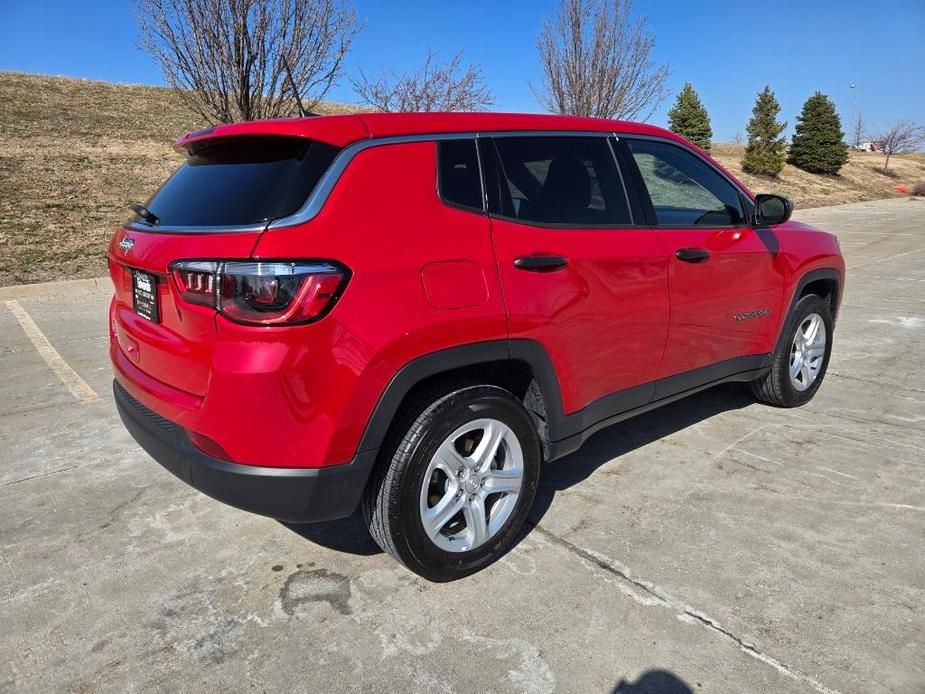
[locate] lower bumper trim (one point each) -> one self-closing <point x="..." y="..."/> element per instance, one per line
<point x="295" y="495"/>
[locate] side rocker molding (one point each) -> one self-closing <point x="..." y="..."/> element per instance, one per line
<point x="624" y="405"/>
<point x="564" y="433"/>
<point x="567" y="432"/>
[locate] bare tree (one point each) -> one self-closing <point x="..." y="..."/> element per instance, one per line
<point x="435" y="86"/>
<point x="737" y="138"/>
<point x="597" y="61"/>
<point x="226" y="58"/>
<point x="857" y="130"/>
<point x="900" y="138"/>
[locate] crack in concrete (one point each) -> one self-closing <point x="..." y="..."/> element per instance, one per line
<point x="588" y="556"/>
<point x="38" y="477"/>
<point x="685" y="612"/>
<point x="872" y="382"/>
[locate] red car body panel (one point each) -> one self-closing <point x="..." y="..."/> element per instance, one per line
<point x="426" y="276"/>
<point x="803" y="249"/>
<point x="742" y="275"/>
<point x="603" y="319"/>
<point x="407" y="231"/>
<point x="315" y="385"/>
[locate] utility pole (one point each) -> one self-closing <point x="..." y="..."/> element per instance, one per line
<point x="854" y="111"/>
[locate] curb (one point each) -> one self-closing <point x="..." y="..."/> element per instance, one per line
<point x="42" y="289"/>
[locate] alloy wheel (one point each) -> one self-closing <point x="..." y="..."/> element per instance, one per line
<point x="471" y="485"/>
<point x="807" y="352"/>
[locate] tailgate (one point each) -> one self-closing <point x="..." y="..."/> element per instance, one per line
<point x="214" y="207"/>
<point x="175" y="347"/>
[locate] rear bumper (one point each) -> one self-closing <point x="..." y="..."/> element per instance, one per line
<point x="296" y="495"/>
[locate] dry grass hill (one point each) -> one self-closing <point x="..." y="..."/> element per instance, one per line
<point x="74" y="154"/>
<point x="862" y="178"/>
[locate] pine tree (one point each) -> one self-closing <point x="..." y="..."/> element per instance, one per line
<point x="764" y="153"/>
<point x="818" y="145"/>
<point x="688" y="118"/>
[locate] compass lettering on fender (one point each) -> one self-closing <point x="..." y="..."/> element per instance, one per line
<point x="748" y="315"/>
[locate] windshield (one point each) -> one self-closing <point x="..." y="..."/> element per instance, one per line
<point x="240" y="181"/>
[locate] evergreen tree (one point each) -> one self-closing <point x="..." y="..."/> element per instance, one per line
<point x="764" y="153"/>
<point x="688" y="118"/>
<point x="818" y="145"/>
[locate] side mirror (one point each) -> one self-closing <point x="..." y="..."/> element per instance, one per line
<point x="772" y="209"/>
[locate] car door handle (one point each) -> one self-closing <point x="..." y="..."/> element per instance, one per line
<point x="540" y="263"/>
<point x="692" y="255"/>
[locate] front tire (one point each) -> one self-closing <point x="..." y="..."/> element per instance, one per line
<point x="801" y="360"/>
<point x="455" y="481"/>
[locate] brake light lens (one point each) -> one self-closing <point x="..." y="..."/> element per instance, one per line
<point x="121" y="276"/>
<point x="262" y="293"/>
<point x="196" y="281"/>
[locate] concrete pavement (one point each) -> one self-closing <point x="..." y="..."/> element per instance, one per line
<point x="715" y="545"/>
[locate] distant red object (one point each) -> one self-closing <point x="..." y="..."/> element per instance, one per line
<point x="901" y="189"/>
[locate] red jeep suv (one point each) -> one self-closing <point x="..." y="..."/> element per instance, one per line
<point x="410" y="312"/>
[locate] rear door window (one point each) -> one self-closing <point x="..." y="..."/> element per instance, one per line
<point x="685" y="190"/>
<point x="241" y="181"/>
<point x="568" y="181"/>
<point x="459" y="180"/>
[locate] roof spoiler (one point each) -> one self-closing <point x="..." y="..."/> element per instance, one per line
<point x="191" y="137"/>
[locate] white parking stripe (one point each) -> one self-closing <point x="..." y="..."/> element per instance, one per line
<point x="78" y="387"/>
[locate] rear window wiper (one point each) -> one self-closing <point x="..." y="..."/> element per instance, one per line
<point x="146" y="214"/>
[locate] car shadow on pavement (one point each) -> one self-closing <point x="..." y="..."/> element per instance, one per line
<point x="627" y="436"/>
<point x="351" y="535"/>
<point x="348" y="535"/>
<point x="654" y="682"/>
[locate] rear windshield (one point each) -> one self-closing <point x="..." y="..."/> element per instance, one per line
<point x="241" y="181"/>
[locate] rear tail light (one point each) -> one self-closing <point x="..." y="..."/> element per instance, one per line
<point x="270" y="293"/>
<point x="121" y="276"/>
<point x="196" y="281"/>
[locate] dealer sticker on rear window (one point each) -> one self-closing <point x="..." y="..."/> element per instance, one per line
<point x="145" y="295"/>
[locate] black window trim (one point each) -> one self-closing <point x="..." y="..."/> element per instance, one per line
<point x="318" y="197"/>
<point x="262" y="225"/>
<point x="498" y="166"/>
<point x="640" y="206"/>
<point x="478" y="158"/>
<point x="488" y="163"/>
<point x="748" y="207"/>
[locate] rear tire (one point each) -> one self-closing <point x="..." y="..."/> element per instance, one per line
<point x="801" y="360"/>
<point x="455" y="480"/>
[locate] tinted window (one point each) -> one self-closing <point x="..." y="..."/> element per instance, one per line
<point x="685" y="190"/>
<point x="561" y="180"/>
<point x="241" y="181"/>
<point x="458" y="167"/>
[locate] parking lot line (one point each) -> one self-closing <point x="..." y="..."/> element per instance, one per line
<point x="78" y="387"/>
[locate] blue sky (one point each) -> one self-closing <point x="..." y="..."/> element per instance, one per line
<point x="727" y="52"/>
